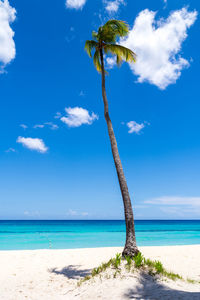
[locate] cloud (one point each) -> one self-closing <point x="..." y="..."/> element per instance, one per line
<point x="172" y="207"/>
<point x="33" y="144"/>
<point x="175" y="200"/>
<point x="135" y="127"/>
<point x="113" y="6"/>
<point x="78" y="116"/>
<point x="73" y="213"/>
<point x="158" y="45"/>
<point x="23" y="126"/>
<point x="31" y="213"/>
<point x="51" y="125"/>
<point x="57" y="115"/>
<point x="7" y="44"/>
<point x="10" y="150"/>
<point x="110" y="62"/>
<point x="76" y="4"/>
<point x="38" y="126"/>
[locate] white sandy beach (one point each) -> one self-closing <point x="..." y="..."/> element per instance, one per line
<point x="53" y="274"/>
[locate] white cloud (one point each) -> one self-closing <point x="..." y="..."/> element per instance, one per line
<point x="110" y="62"/>
<point x="113" y="6"/>
<point x="38" y="126"/>
<point x="7" y="44"/>
<point x="11" y="150"/>
<point x="158" y="45"/>
<point x="175" y="200"/>
<point x="58" y="115"/>
<point x="23" y="126"/>
<point x="78" y="116"/>
<point x="134" y="127"/>
<point x="31" y="213"/>
<point x="84" y="213"/>
<point x="77" y="4"/>
<point x="73" y="213"/>
<point x="33" y="144"/>
<point x="51" y="125"/>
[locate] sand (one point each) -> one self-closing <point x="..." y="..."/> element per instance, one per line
<point x="53" y="274"/>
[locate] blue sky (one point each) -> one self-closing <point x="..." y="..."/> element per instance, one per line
<point x="55" y="155"/>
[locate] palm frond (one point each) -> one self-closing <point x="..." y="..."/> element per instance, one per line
<point x="95" y="35"/>
<point x="89" y="46"/>
<point x="96" y="60"/>
<point x="118" y="26"/>
<point x="105" y="39"/>
<point x="121" y="52"/>
<point x="113" y="29"/>
<point x="119" y="60"/>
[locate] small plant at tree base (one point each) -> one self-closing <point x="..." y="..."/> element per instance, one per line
<point x="172" y="275"/>
<point x="96" y="271"/>
<point x="115" y="274"/>
<point x="159" y="267"/>
<point x="129" y="262"/>
<point x="191" y="280"/>
<point x="138" y="259"/>
<point x="83" y="280"/>
<point x="148" y="262"/>
<point x="117" y="260"/>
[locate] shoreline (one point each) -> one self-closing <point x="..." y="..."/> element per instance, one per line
<point x="103" y="247"/>
<point x="52" y="273"/>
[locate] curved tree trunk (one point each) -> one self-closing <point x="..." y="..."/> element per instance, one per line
<point x="130" y="248"/>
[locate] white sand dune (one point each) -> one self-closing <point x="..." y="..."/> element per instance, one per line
<point x="53" y="274"/>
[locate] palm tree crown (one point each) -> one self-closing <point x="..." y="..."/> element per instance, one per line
<point x="105" y="40"/>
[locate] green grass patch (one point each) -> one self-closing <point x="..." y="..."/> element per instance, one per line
<point x="139" y="260"/>
<point x="117" y="261"/>
<point x="154" y="267"/>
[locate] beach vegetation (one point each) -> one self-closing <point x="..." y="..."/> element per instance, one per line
<point x="148" y="262"/>
<point x="158" y="267"/>
<point x="116" y="273"/>
<point x="171" y="275"/>
<point x="152" y="267"/>
<point x="104" y="43"/>
<point x="191" y="280"/>
<point x="129" y="261"/>
<point x="117" y="260"/>
<point x="138" y="260"/>
<point x="86" y="278"/>
<point x="96" y="271"/>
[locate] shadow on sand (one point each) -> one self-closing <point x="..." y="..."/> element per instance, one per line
<point x="151" y="289"/>
<point x="71" y="272"/>
<point x="148" y="288"/>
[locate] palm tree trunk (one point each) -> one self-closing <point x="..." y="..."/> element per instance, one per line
<point x="130" y="248"/>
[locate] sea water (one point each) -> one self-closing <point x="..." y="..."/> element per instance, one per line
<point x="18" y="235"/>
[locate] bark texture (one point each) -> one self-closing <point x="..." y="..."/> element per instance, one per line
<point x="130" y="248"/>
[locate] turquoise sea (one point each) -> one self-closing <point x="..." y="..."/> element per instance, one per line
<point x="15" y="235"/>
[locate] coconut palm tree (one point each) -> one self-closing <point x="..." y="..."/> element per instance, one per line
<point x="104" y="42"/>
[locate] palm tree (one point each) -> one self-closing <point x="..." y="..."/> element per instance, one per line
<point x="104" y="42"/>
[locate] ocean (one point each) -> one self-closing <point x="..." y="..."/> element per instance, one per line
<point x="20" y="235"/>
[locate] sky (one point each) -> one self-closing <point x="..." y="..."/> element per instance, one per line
<point x="55" y="156"/>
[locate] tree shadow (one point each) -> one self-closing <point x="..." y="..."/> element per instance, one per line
<point x="71" y="272"/>
<point x="149" y="288"/>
